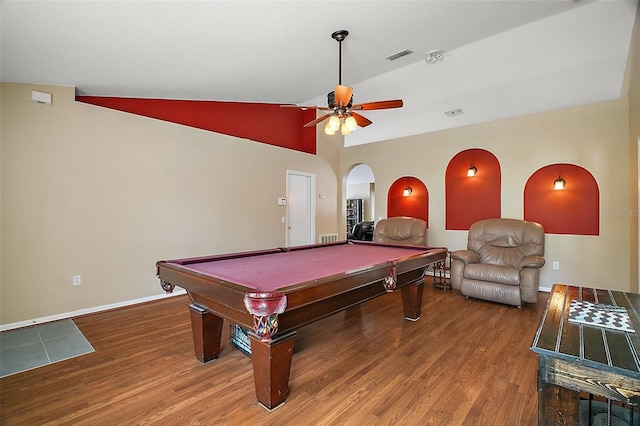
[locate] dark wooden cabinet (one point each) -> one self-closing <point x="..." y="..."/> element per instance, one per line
<point x="355" y="213"/>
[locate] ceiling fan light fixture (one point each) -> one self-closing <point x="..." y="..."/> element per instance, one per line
<point x="328" y="130"/>
<point x="345" y="129"/>
<point x="350" y="123"/>
<point x="334" y="123"/>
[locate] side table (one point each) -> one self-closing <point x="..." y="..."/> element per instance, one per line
<point x="442" y="273"/>
<point x="575" y="358"/>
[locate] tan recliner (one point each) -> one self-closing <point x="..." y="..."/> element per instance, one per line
<point x="401" y="230"/>
<point x="502" y="261"/>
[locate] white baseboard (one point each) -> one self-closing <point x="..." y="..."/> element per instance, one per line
<point x="42" y="320"/>
<point x="544" y="289"/>
<point x="177" y="292"/>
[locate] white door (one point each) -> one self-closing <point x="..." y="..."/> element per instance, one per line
<point x="301" y="227"/>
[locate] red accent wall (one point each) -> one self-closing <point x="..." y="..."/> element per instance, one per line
<point x="415" y="205"/>
<point x="260" y="122"/>
<point x="574" y="210"/>
<point x="472" y="198"/>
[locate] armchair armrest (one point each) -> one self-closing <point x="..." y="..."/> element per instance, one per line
<point x="466" y="256"/>
<point x="534" y="261"/>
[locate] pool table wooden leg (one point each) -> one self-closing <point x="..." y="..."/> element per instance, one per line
<point x="412" y="299"/>
<point x="207" y="332"/>
<point x="271" y="368"/>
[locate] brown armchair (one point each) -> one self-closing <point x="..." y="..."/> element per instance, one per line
<point x="502" y="261"/>
<point x="401" y="230"/>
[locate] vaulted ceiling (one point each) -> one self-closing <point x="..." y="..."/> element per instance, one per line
<point x="500" y="58"/>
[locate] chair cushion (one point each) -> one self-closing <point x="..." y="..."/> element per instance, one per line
<point x="494" y="273"/>
<point x="401" y="230"/>
<point x="502" y="241"/>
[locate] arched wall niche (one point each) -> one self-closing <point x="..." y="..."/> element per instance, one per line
<point x="573" y="210"/>
<point x="472" y="198"/>
<point x="415" y="204"/>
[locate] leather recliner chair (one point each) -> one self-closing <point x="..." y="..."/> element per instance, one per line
<point x="401" y="230"/>
<point x="502" y="261"/>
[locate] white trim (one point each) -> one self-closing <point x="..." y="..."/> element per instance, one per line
<point x="447" y="275"/>
<point x="42" y="320"/>
<point x="96" y="309"/>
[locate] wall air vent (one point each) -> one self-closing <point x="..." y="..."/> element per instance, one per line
<point x="40" y="97"/>
<point x="399" y="54"/>
<point x="328" y="238"/>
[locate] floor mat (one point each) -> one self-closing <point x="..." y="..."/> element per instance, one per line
<point x="39" y="345"/>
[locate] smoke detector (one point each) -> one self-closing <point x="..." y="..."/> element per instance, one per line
<point x="433" y="56"/>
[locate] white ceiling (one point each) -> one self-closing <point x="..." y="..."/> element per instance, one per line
<point x="501" y="58"/>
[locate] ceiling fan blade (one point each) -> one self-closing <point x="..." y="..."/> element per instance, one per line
<point x="304" y="107"/>
<point x="396" y="103"/>
<point x="361" y="120"/>
<point x="343" y="94"/>
<point x="318" y="120"/>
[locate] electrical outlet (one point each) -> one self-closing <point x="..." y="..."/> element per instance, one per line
<point x="77" y="280"/>
<point x="556" y="265"/>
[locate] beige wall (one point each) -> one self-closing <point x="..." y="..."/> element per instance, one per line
<point x="594" y="136"/>
<point x="105" y="194"/>
<point x="633" y="77"/>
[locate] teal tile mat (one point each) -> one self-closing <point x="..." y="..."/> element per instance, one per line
<point x="39" y="345"/>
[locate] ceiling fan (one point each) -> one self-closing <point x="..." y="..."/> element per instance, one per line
<point x="342" y="113"/>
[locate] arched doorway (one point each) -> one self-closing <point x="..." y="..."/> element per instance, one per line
<point x="360" y="190"/>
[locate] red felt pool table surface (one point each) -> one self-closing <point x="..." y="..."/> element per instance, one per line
<point x="282" y="269"/>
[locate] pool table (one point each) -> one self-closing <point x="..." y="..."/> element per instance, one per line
<point x="274" y="292"/>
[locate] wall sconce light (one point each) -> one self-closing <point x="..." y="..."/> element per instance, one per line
<point x="558" y="184"/>
<point x="472" y="170"/>
<point x="407" y="191"/>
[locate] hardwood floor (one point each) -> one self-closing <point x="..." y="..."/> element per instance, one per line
<point x="464" y="362"/>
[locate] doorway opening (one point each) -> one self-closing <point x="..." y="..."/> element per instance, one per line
<point x="360" y="197"/>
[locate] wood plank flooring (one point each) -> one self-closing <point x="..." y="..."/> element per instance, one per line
<point x="464" y="362"/>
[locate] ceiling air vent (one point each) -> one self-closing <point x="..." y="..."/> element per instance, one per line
<point x="399" y="54"/>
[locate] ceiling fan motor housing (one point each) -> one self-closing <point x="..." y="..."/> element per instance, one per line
<point x="331" y="100"/>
